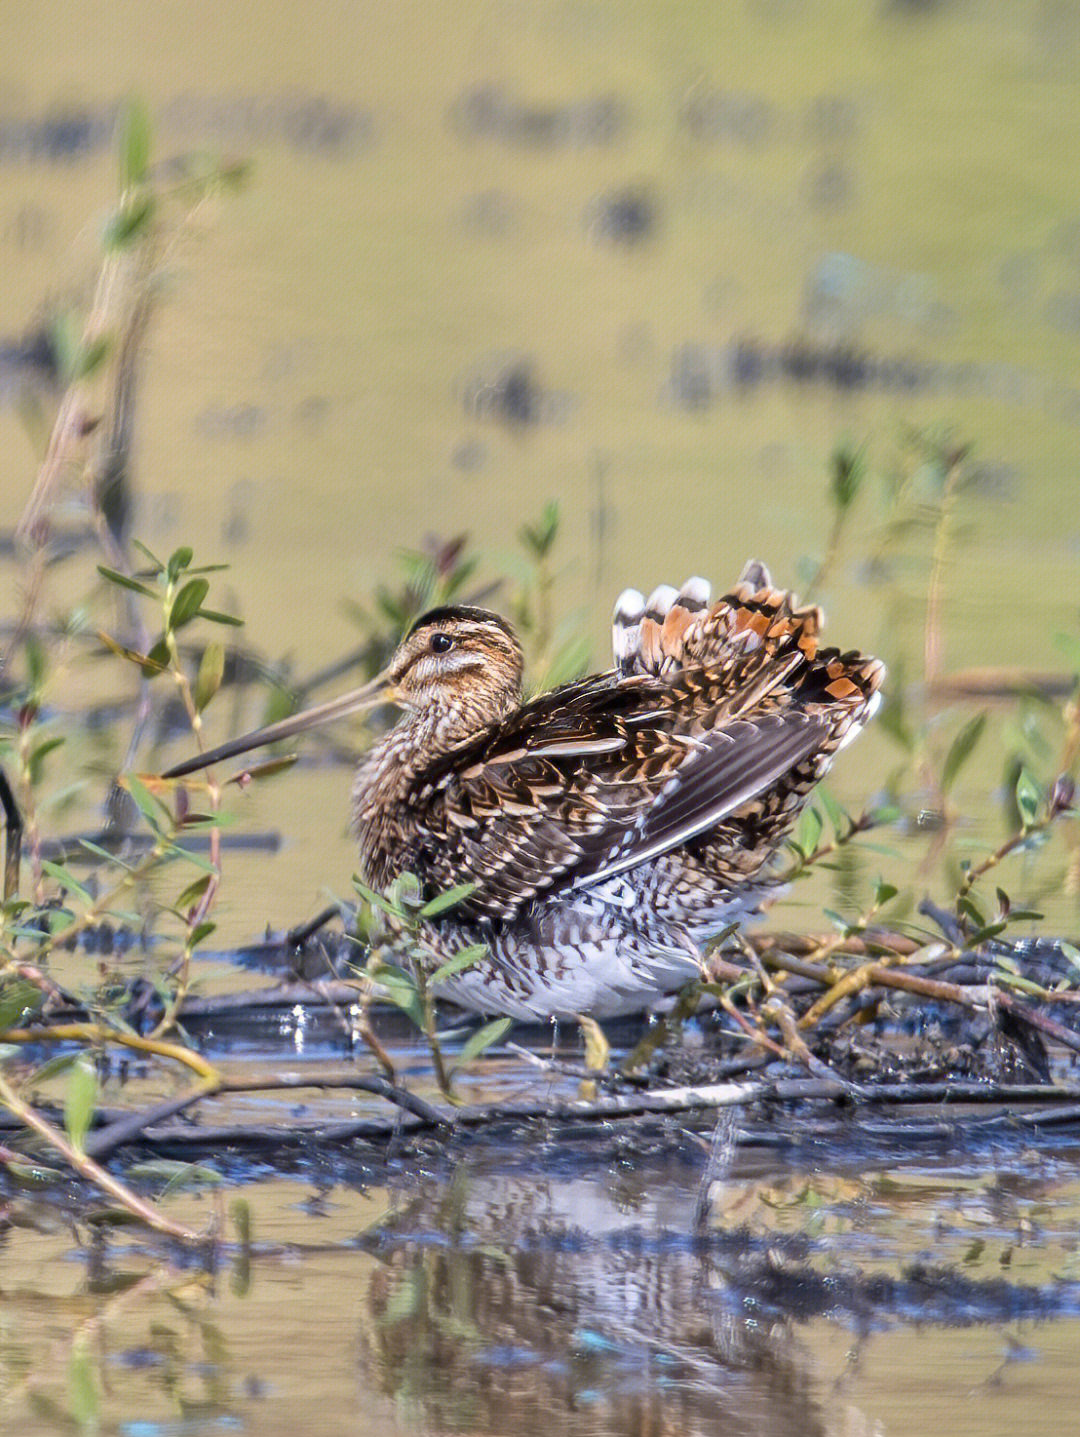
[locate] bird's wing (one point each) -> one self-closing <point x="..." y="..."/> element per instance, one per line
<point x="590" y="781"/>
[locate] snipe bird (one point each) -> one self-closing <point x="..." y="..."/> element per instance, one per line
<point x="611" y="826"/>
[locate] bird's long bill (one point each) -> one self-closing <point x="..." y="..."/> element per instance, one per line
<point x="377" y="691"/>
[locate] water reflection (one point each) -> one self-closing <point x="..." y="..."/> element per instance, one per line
<point x="531" y="1287"/>
<point x="592" y="1307"/>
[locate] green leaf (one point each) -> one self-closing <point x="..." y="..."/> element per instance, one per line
<point x="404" y="893"/>
<point x="838" y="921"/>
<point x="179" y="560"/>
<point x="845" y="480"/>
<point x="189" y="855"/>
<point x="447" y="900"/>
<point x="62" y="1063"/>
<point x="193" y="892"/>
<point x="186" y="604"/>
<point x="146" y="803"/>
<point x="135" y="140"/>
<point x="201" y="931"/>
<point x="211" y="672"/>
<point x="104" y="854"/>
<point x="174" y="1174"/>
<point x="157" y="660"/>
<point x="374" y="899"/>
<point x="81" y="1097"/>
<point x="960" y="750"/>
<point x="215" y="617"/>
<point x="64" y="878"/>
<point x="159" y="567"/>
<point x="401" y="990"/>
<point x="884" y="892"/>
<point x="991" y="930"/>
<point x="90" y="356"/>
<point x="1070" y="953"/>
<point x="809" y="831"/>
<point x="481" y="1040"/>
<point x="123" y="581"/>
<point x="127" y="220"/>
<point x="968" y="906"/>
<point x="839" y="818"/>
<point x="1028" y="798"/>
<point x="38" y="756"/>
<point x="467" y="958"/>
<point x="36" y="661"/>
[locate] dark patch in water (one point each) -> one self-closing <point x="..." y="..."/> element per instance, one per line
<point x="491" y="113"/>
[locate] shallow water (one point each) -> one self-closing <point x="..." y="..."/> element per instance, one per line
<point x="654" y="265"/>
<point x="611" y="1296"/>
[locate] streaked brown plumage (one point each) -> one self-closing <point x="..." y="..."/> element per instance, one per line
<point x="610" y="825"/>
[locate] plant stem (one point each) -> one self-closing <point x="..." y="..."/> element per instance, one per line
<point x="86" y="1167"/>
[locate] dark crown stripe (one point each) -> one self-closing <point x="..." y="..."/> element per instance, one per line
<point x="459" y="613"/>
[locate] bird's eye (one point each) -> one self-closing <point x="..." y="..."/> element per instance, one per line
<point x="441" y="643"/>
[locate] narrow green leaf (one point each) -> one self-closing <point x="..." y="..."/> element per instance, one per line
<point x="146" y="803"/>
<point x="1021" y="985"/>
<point x="839" y="922"/>
<point x="91" y="355"/>
<point x="104" y="854"/>
<point x="1028" y="798"/>
<point x="374" y="899"/>
<point x="193" y="892"/>
<point x="38" y="756"/>
<point x="188" y="855"/>
<point x="159" y="567"/>
<point x="81" y="1097"/>
<point x="960" y="750"/>
<point x="173" y="1173"/>
<point x="447" y="900"/>
<point x="481" y="1040"/>
<point x="124" y="582"/>
<point x="215" y="617"/>
<point x="201" y="931"/>
<point x="467" y="958"/>
<point x="838" y="816"/>
<point x="991" y="930"/>
<point x="186" y="604"/>
<point x="884" y="892"/>
<point x="65" y="879"/>
<point x="36" y="661"/>
<point x="211" y="672"/>
<point x="127" y="221"/>
<point x="1070" y="953"/>
<point x="809" y="831"/>
<point x="401" y="990"/>
<point x="971" y="909"/>
<point x="135" y="138"/>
